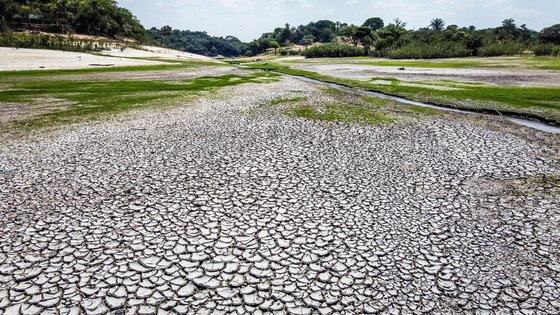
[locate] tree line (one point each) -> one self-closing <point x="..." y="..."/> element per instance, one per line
<point x="394" y="40"/>
<point x="197" y="42"/>
<point x="91" y="17"/>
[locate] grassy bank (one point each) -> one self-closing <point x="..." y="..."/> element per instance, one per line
<point x="543" y="102"/>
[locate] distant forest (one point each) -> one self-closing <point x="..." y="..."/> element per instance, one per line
<point x="198" y="42"/>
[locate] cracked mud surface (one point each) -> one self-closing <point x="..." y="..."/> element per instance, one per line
<point x="214" y="208"/>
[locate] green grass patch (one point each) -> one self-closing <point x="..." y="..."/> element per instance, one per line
<point x="287" y="100"/>
<point x="390" y="79"/>
<point x="376" y="101"/>
<point x="169" y="65"/>
<point x="544" y="63"/>
<point x="424" y="110"/>
<point x="91" y="100"/>
<point x="541" y="101"/>
<point x="332" y="91"/>
<point x="338" y="112"/>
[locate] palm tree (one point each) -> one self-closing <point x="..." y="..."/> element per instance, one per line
<point x="437" y="24"/>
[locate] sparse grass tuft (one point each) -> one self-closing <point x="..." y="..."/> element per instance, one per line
<point x="287" y="100"/>
<point x="424" y="110"/>
<point x="334" y="112"/>
<point x="376" y="101"/>
<point x="332" y="91"/>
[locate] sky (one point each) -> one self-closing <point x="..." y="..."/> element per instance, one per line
<point x="248" y="19"/>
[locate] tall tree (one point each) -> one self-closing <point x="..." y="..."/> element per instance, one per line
<point x="363" y="32"/>
<point x="399" y="23"/>
<point x="508" y="30"/>
<point x="550" y="35"/>
<point x="308" y="39"/>
<point x="165" y="31"/>
<point x="437" y="24"/>
<point x="275" y="45"/>
<point x="350" y="33"/>
<point x="374" y="23"/>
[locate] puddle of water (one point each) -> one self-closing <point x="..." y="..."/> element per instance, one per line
<point x="531" y="123"/>
<point x="535" y="124"/>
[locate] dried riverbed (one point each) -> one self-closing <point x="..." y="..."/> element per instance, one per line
<point x="227" y="204"/>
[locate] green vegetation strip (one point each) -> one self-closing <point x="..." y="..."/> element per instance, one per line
<point x="169" y="65"/>
<point x="89" y="100"/>
<point x="334" y="112"/>
<point x="543" y="102"/>
<point x="287" y="100"/>
<point x="345" y="108"/>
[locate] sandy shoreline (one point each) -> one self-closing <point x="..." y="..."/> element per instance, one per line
<point x="37" y="59"/>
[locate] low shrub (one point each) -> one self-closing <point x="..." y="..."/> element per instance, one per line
<point x="418" y="50"/>
<point x="47" y="41"/>
<point x="501" y="49"/>
<point x="547" y="50"/>
<point x="289" y="52"/>
<point x="333" y="50"/>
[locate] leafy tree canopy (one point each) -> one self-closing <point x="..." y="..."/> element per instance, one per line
<point x="374" y="23"/>
<point x="550" y="35"/>
<point x="92" y="17"/>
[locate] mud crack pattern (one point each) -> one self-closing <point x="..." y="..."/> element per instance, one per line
<point x="208" y="209"/>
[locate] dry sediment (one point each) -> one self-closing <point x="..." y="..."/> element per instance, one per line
<point x="214" y="208"/>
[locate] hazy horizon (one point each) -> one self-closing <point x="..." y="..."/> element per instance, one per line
<point x="248" y="19"/>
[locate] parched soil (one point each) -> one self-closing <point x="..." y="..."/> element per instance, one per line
<point x="227" y="204"/>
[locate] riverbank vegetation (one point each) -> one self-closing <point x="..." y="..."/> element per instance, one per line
<point x="394" y="40"/>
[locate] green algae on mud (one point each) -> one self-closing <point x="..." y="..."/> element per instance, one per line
<point x="345" y="107"/>
<point x="338" y="112"/>
<point x="91" y="100"/>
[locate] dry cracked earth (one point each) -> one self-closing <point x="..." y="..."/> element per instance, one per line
<point x="219" y="208"/>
